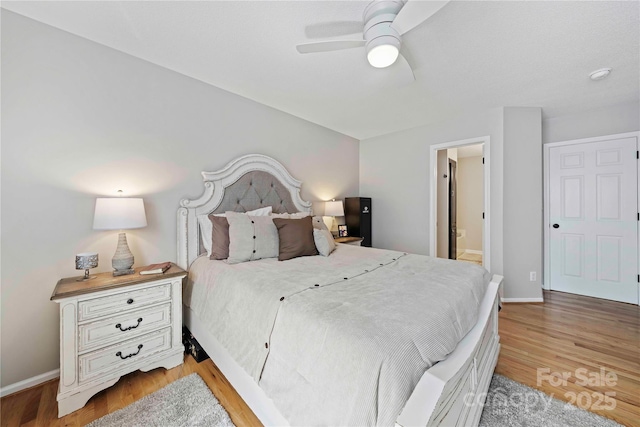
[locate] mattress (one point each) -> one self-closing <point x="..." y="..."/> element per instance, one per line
<point x="338" y="340"/>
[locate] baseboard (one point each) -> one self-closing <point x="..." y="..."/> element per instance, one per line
<point x="508" y="300"/>
<point x="29" y="382"/>
<point x="473" y="251"/>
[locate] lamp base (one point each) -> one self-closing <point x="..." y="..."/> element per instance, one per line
<point x="328" y="222"/>
<point x="123" y="272"/>
<point x="122" y="261"/>
<point x="85" y="277"/>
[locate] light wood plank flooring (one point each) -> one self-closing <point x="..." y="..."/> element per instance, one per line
<point x="570" y="332"/>
<point x="566" y="333"/>
<point x="37" y="406"/>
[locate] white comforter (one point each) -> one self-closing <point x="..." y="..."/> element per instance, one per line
<point x="341" y="340"/>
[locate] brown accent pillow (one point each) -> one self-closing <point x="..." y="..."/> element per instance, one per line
<point x="296" y="238"/>
<point x="219" y="237"/>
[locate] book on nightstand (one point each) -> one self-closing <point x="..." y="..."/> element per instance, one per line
<point x="156" y="268"/>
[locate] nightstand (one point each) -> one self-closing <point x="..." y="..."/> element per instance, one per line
<point x="355" y="241"/>
<point x="111" y="326"/>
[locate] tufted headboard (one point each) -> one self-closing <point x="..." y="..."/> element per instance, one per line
<point x="256" y="189"/>
<point x="247" y="183"/>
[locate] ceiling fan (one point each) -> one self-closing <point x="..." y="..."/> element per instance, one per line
<point x="385" y="21"/>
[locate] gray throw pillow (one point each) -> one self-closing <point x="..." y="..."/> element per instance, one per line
<point x="295" y="238"/>
<point x="251" y="238"/>
<point x="206" y="225"/>
<point x="219" y="237"/>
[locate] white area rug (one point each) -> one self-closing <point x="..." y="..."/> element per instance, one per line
<point x="189" y="402"/>
<point x="511" y="404"/>
<point x="185" y="402"/>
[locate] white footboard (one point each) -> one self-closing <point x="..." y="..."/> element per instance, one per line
<point x="450" y="393"/>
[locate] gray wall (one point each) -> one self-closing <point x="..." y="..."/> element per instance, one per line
<point x="590" y="123"/>
<point x="80" y="120"/>
<point x="394" y="171"/>
<point x="523" y="201"/>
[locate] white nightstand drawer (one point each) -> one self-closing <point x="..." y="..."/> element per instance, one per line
<point x="111" y="304"/>
<point x="120" y="356"/>
<point x="123" y="326"/>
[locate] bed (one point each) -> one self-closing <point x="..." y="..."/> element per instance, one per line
<point x="289" y="336"/>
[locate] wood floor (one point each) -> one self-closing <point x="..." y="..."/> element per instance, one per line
<point x="566" y="333"/>
<point x="37" y="406"/>
<point x="577" y="336"/>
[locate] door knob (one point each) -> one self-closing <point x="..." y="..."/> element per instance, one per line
<point x="556" y="225"/>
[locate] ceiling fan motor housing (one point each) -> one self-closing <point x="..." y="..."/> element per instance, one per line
<point x="378" y="32"/>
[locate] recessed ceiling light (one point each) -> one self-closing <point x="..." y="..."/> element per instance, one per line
<point x="600" y="74"/>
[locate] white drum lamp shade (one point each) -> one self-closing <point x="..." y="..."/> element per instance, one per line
<point x="332" y="209"/>
<point x="120" y="213"/>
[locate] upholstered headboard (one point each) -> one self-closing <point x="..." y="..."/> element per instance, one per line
<point x="247" y="183"/>
<point x="256" y="189"/>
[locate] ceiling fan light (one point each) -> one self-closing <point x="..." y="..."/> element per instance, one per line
<point x="383" y="51"/>
<point x="383" y="55"/>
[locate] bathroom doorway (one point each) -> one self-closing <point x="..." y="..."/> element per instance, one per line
<point x="459" y="223"/>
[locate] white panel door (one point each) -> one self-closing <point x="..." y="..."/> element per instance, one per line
<point x="593" y="190"/>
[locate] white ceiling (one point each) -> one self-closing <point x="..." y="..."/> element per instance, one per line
<point x="469" y="151"/>
<point x="470" y="55"/>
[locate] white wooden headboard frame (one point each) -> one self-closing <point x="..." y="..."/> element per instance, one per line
<point x="215" y="186"/>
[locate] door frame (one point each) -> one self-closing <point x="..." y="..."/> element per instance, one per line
<point x="486" y="170"/>
<point x="453" y="165"/>
<point x="546" y="261"/>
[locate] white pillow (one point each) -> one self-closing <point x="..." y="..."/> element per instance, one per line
<point x="318" y="223"/>
<point x="296" y="215"/>
<point x="324" y="241"/>
<point x="300" y="215"/>
<point x="251" y="238"/>
<point x="206" y="228"/>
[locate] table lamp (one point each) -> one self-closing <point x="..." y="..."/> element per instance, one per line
<point x="85" y="261"/>
<point x="332" y="209"/>
<point x="120" y="213"/>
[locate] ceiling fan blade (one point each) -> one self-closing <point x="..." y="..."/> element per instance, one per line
<point x="414" y="13"/>
<point x="329" y="45"/>
<point x="394" y="76"/>
<point x="404" y="71"/>
<point x="333" y="29"/>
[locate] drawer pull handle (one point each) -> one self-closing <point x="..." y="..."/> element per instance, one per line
<point x="131" y="355"/>
<point x="130" y="301"/>
<point x="119" y="326"/>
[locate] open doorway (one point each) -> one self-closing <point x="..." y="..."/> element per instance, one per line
<point x="460" y="200"/>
